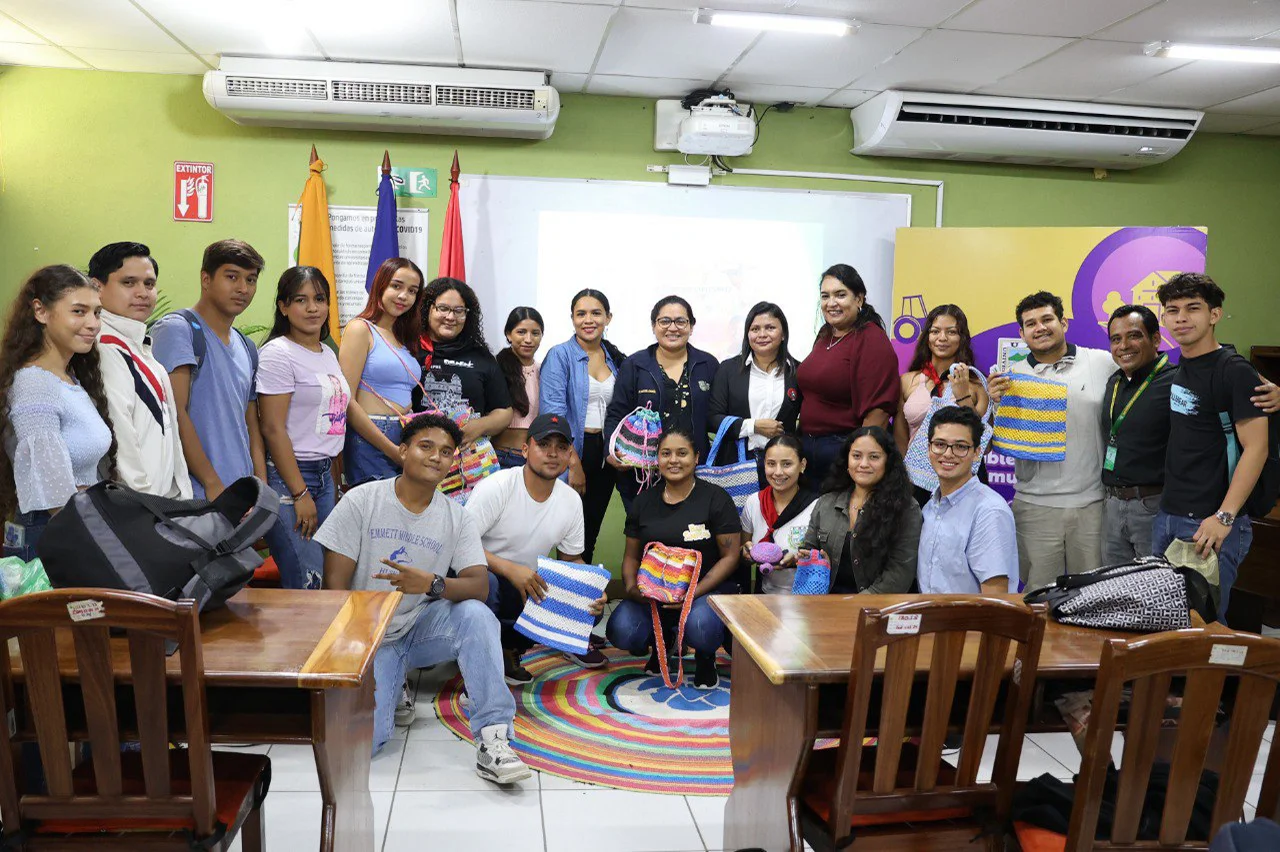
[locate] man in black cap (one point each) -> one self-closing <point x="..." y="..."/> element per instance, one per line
<point x="521" y="514"/>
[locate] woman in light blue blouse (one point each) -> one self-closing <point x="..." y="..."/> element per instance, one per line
<point x="57" y="433"/>
<point x="576" y="382"/>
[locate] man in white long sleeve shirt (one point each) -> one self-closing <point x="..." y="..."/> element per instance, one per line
<point x="144" y="416"/>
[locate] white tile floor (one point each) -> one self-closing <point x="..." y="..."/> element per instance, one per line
<point x="426" y="795"/>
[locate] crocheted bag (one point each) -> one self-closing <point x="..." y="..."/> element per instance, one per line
<point x="635" y="442"/>
<point x="563" y="619"/>
<point x="740" y="479"/>
<point x="1031" y="420"/>
<point x="813" y="574"/>
<point x="669" y="575"/>
<point x="916" y="459"/>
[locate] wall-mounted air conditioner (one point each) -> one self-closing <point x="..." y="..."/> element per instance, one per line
<point x="939" y="126"/>
<point x="395" y="98"/>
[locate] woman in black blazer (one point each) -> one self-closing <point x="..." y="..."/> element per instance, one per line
<point x="758" y="386"/>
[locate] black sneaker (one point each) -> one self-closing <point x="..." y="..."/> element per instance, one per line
<point x="514" y="673"/>
<point x="704" y="673"/>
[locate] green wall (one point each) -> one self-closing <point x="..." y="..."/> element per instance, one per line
<point x="85" y="159"/>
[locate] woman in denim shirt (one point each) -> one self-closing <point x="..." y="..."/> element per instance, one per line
<point x="577" y="382"/>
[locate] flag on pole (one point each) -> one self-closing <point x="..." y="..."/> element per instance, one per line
<point x="315" y="243"/>
<point x="452" y="264"/>
<point x="386" y="240"/>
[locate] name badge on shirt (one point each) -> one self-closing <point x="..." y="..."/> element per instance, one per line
<point x="1109" y="461"/>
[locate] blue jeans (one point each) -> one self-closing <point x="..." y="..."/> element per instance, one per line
<point x="631" y="626"/>
<point x="1165" y="528"/>
<point x="509" y="458"/>
<point x="363" y="462"/>
<point x="820" y="453"/>
<point x="465" y="631"/>
<point x="22" y="533"/>
<point x="300" y="560"/>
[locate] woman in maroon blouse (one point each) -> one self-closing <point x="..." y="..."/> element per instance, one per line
<point x="850" y="379"/>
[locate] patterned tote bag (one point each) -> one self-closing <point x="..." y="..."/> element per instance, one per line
<point x="916" y="459"/>
<point x="669" y="575"/>
<point x="813" y="574"/>
<point x="563" y="619"/>
<point x="1031" y="421"/>
<point x="741" y="478"/>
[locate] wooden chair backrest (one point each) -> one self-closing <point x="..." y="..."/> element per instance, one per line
<point x="148" y="622"/>
<point x="1207" y="657"/>
<point x="943" y="622"/>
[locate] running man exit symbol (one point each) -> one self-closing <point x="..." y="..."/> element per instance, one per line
<point x="192" y="192"/>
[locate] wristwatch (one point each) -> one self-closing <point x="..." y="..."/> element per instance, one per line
<point x="1225" y="518"/>
<point x="437" y="587"/>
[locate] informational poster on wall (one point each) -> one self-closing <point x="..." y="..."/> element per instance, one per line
<point x="352" y="231"/>
<point x="987" y="271"/>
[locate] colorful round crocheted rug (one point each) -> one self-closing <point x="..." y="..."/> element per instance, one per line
<point x="615" y="726"/>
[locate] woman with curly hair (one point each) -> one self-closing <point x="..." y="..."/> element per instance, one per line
<point x="458" y="370"/>
<point x="57" y="432"/>
<point x="866" y="521"/>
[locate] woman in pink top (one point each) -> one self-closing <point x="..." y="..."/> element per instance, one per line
<point x="524" y="336"/>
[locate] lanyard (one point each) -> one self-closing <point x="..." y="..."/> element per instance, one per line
<point x="1116" y="421"/>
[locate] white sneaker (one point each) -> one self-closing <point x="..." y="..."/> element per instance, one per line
<point x="495" y="760"/>
<point x="406" y="710"/>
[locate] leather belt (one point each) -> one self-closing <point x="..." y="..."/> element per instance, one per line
<point x="1133" y="492"/>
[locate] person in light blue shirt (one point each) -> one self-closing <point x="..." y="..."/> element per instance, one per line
<point x="967" y="543"/>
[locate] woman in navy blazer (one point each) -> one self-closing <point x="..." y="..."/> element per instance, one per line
<point x="672" y="377"/>
<point x="758" y="386"/>
<point x="577" y="382"/>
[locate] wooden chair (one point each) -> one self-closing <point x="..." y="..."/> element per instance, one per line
<point x="152" y="797"/>
<point x="892" y="795"/>
<point x="1210" y="658"/>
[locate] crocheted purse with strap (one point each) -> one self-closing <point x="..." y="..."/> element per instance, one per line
<point x="635" y="442"/>
<point x="669" y="575"/>
<point x="813" y="574"/>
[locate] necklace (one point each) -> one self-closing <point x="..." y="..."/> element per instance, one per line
<point x="837" y="340"/>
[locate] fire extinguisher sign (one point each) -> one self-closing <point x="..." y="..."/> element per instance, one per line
<point x="192" y="192"/>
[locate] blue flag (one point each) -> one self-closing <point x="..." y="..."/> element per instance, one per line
<point x="386" y="243"/>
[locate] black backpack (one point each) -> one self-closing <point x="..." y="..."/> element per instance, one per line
<point x="112" y="537"/>
<point x="1262" y="499"/>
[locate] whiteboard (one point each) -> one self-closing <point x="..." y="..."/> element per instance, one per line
<point x="538" y="241"/>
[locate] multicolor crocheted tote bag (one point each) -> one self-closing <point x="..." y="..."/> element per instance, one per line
<point x="669" y="575"/>
<point x="813" y="574"/>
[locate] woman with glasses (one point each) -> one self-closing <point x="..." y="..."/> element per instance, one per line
<point x="670" y="376"/>
<point x="458" y="369"/>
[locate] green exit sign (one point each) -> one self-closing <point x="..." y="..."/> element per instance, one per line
<point x="412" y="183"/>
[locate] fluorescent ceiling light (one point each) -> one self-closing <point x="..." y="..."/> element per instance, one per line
<point x="775" y="22"/>
<point x="1213" y="52"/>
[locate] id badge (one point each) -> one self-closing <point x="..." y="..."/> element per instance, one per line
<point x="1109" y="462"/>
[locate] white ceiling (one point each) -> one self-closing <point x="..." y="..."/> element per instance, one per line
<point x="1072" y="49"/>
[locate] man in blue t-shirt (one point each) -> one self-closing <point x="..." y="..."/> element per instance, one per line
<point x="213" y="377"/>
<point x="1217" y="434"/>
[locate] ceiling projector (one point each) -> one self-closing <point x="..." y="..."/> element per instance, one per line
<point x="718" y="126"/>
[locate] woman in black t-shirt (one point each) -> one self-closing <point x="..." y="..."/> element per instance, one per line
<point x="458" y="369"/>
<point x="688" y="513"/>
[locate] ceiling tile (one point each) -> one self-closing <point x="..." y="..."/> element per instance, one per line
<point x="568" y="82"/>
<point x="1199" y="20"/>
<point x="423" y="30"/>
<point x="1199" y="84"/>
<point x="1269" y="130"/>
<point x="1216" y="122"/>
<point x="1083" y="70"/>
<point x="12" y="31"/>
<point x="641" y="87"/>
<point x="849" y="98"/>
<point x="647" y="42"/>
<point x="134" y="60"/>
<point x="44" y="55"/>
<point x="914" y="13"/>
<point x="1075" y="18"/>
<point x="525" y="34"/>
<point x="1261" y="103"/>
<point x="74" y="23"/>
<point x="821" y="62"/>
<point x="257" y="27"/>
<point x="763" y="95"/>
<point x="954" y="61"/>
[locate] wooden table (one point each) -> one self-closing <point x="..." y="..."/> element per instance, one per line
<point x="785" y="648"/>
<point x="286" y="666"/>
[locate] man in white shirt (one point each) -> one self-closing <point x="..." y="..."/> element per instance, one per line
<point x="1058" y="505"/>
<point x="140" y="400"/>
<point x="521" y="513"/>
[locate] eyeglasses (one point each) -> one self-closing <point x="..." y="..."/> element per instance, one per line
<point x="940" y="448"/>
<point x="445" y="310"/>
<point x="667" y="322"/>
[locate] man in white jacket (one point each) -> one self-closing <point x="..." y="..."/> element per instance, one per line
<point x="140" y="400"/>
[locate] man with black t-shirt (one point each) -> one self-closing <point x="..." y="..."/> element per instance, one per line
<point x="1213" y="423"/>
